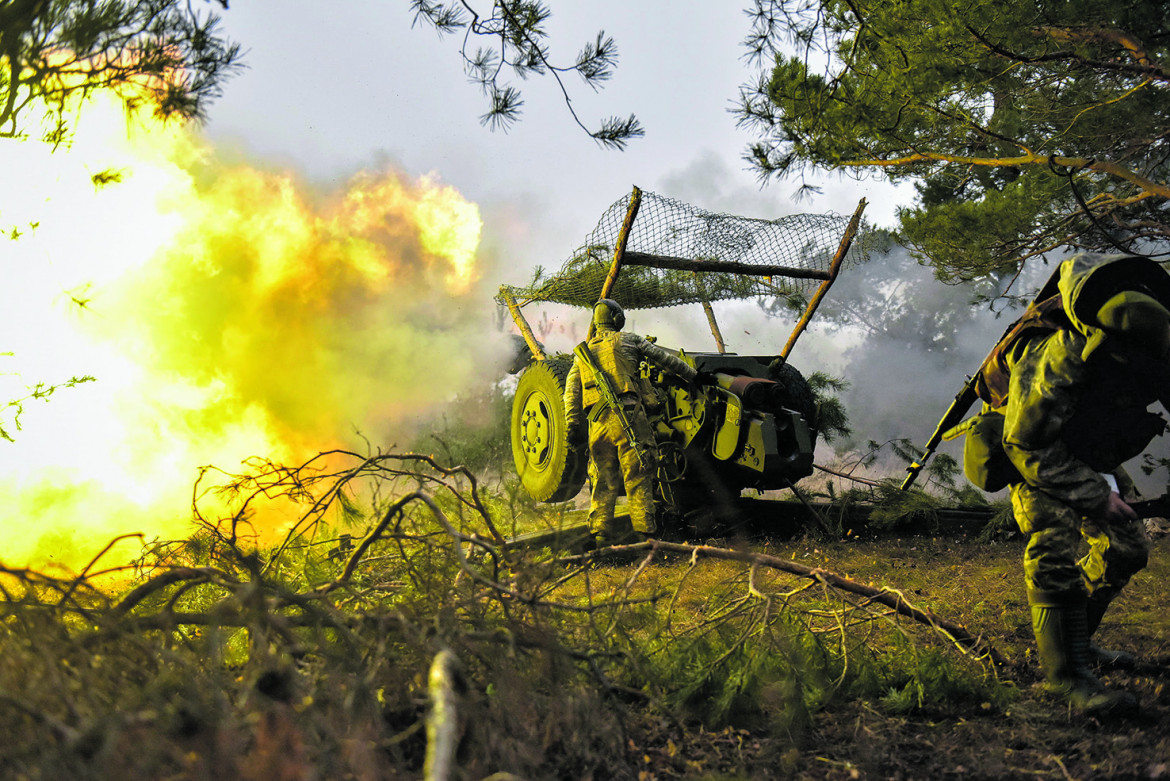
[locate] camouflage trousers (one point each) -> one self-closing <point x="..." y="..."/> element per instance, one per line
<point x="1052" y="558"/>
<point x="614" y="463"/>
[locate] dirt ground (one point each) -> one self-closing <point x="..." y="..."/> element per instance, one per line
<point x="1033" y="737"/>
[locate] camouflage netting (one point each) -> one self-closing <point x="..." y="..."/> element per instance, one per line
<point x="665" y="228"/>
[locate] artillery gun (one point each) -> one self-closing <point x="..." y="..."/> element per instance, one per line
<point x="757" y="427"/>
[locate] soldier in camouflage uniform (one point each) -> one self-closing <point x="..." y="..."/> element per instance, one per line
<point x="1076" y="410"/>
<point x="614" y="457"/>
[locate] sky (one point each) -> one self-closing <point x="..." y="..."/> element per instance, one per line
<point x="359" y="87"/>
<point x="315" y="266"/>
<point x="363" y="87"/>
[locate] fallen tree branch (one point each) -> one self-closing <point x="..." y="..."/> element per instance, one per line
<point x="443" y="719"/>
<point x="161" y="581"/>
<point x="854" y="478"/>
<point x="891" y="598"/>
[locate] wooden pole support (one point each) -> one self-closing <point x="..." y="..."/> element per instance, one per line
<point x="619" y="249"/>
<point x="522" y="324"/>
<point x="834" y="268"/>
<point x="710" y="314"/>
<point x="725" y="266"/>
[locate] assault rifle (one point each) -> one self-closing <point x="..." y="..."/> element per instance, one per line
<point x="950" y="419"/>
<point x="609" y="399"/>
<point x="970" y="392"/>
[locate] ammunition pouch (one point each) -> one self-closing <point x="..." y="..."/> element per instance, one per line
<point x="985" y="462"/>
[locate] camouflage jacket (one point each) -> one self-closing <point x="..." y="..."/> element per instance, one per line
<point x="619" y="355"/>
<point x="1074" y="413"/>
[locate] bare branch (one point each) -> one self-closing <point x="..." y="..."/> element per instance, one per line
<point x="891" y="598"/>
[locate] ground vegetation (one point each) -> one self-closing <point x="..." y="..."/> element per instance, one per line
<point x="393" y="632"/>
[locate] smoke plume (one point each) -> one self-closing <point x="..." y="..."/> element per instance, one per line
<point x="226" y="311"/>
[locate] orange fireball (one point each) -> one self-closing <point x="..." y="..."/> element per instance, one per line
<point x="225" y="311"/>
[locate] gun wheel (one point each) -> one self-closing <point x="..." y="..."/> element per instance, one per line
<point x="549" y="468"/>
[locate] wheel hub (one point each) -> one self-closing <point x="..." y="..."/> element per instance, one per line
<point x="536" y="430"/>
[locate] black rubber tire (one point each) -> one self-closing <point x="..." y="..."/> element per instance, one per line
<point x="549" y="469"/>
<point x="798" y="396"/>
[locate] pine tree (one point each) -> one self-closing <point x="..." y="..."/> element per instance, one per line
<point x="161" y="54"/>
<point x="1026" y="126"/>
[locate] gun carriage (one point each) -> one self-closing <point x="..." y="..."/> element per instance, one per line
<point x="757" y="427"/>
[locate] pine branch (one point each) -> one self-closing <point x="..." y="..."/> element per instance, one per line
<point x="891" y="598"/>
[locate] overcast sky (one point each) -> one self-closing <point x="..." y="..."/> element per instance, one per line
<point x="330" y="93"/>
<point x="333" y="89"/>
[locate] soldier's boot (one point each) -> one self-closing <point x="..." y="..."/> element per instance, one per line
<point x="1104" y="658"/>
<point x="1060" y="623"/>
<point x="618" y="530"/>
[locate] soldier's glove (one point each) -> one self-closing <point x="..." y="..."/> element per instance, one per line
<point x="706" y="378"/>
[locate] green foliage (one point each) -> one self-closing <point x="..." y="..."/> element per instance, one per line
<point x="921" y="678"/>
<point x="897" y="508"/>
<point x="1151" y="464"/>
<point x="473" y="432"/>
<point x="832" y="419"/>
<point x="795" y="660"/>
<point x="226" y="658"/>
<point x="160" y="53"/>
<point x="517" y="32"/>
<point x="1002" y="524"/>
<point x="38" y="392"/>
<point x="1026" y="126"/>
<point x="973" y="238"/>
<point x="888" y="507"/>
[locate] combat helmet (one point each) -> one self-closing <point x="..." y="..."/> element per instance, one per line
<point x="609" y="314"/>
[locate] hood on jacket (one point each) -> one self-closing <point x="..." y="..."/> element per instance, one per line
<point x="1120" y="295"/>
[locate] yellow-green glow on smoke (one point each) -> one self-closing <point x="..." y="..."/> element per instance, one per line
<point x="226" y="311"/>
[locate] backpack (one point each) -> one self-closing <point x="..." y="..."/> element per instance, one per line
<point x="985" y="462"/>
<point x="993" y="379"/>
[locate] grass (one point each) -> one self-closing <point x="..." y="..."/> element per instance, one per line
<point x="312" y="658"/>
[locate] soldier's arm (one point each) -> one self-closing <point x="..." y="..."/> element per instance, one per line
<point x="663" y="359"/>
<point x="1045" y="385"/>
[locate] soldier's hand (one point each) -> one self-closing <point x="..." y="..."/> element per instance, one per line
<point x="1117" y="510"/>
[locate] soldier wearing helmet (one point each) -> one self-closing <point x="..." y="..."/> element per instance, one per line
<point x="616" y="460"/>
<point x="1076" y="410"/>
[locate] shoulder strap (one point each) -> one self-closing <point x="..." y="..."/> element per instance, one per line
<point x="1039" y="319"/>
